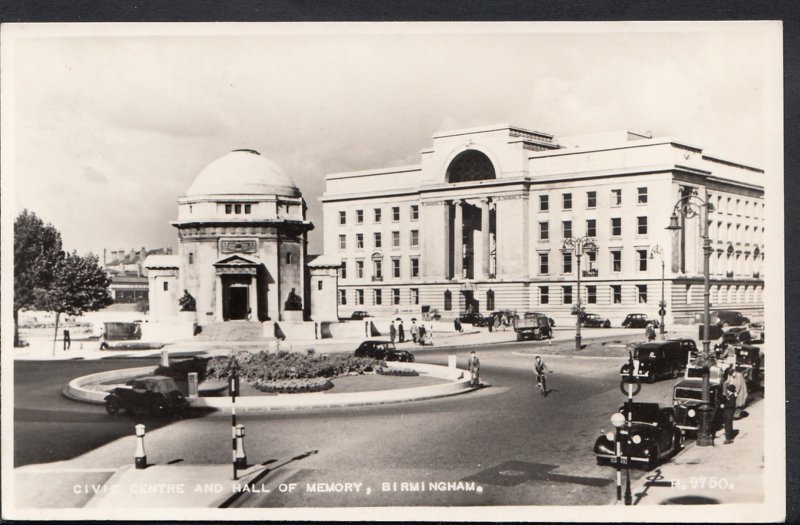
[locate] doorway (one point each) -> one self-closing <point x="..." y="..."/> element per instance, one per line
<point x="237" y="302"/>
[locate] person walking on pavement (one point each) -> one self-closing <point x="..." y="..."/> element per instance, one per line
<point x="401" y="332"/>
<point x="103" y="341"/>
<point x="414" y="330"/>
<point x="392" y="332"/>
<point x="67" y="340"/>
<point x="541" y="369"/>
<point x="728" y="406"/>
<point x="474" y="367"/>
<point x="650" y="332"/>
<point x="457" y="325"/>
<point x="421" y="335"/>
<point x="736" y="379"/>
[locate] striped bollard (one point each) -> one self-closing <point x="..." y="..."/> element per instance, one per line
<point x="141" y="458"/>
<point x="240" y="458"/>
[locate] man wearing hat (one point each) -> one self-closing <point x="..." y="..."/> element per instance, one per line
<point x="474" y="366"/>
<point x="728" y="406"/>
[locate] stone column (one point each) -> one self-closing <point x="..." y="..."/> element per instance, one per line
<point x="458" y="240"/>
<point x="252" y="295"/>
<point x="485" y="248"/>
<point x="218" y="297"/>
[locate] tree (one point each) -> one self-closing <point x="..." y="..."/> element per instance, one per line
<point x="37" y="249"/>
<point x="79" y="285"/>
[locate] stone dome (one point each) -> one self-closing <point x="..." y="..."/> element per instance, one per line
<point x="242" y="172"/>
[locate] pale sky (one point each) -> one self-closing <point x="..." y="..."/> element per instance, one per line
<point x="106" y="126"/>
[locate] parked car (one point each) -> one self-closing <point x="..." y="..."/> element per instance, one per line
<point x="359" y="315"/>
<point x="727" y="318"/>
<point x="687" y="396"/>
<point x="651" y="436"/>
<point x="533" y="325"/>
<point x="154" y="395"/>
<point x="384" y="350"/>
<point x="638" y="321"/>
<point x="658" y="359"/>
<point x="473" y="318"/>
<point x="594" y="321"/>
<point x="737" y="335"/>
<point x="749" y="361"/>
<point x="756" y="329"/>
<point x="550" y="320"/>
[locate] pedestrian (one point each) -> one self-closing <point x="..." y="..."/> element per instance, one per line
<point x="736" y="379"/>
<point x="392" y="332"/>
<point x="474" y="367"/>
<point x="421" y="335"/>
<point x="457" y="325"/>
<point x="728" y="406"/>
<point x="650" y="332"/>
<point x="414" y="330"/>
<point x="540" y="368"/>
<point x="401" y="332"/>
<point x="103" y="341"/>
<point x="67" y="340"/>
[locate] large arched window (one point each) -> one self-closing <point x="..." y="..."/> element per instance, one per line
<point x="490" y="300"/>
<point x="470" y="165"/>
<point x="448" y="300"/>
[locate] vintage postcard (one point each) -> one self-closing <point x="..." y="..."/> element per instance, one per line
<point x="393" y="271"/>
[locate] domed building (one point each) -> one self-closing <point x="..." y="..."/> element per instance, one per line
<point x="242" y="245"/>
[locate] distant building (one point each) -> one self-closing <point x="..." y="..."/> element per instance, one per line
<point x="479" y="225"/>
<point x="128" y="275"/>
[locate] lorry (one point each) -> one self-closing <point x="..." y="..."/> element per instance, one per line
<point x="533" y="325"/>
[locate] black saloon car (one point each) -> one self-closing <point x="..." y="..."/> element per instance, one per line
<point x="737" y="335"/>
<point x="650" y="437"/>
<point x="384" y="350"/>
<point x="687" y="396"/>
<point x="725" y="318"/>
<point x="155" y="395"/>
<point x="473" y="318"/>
<point x="358" y="315"/>
<point x="658" y="359"/>
<point x="595" y="321"/>
<point x="749" y="362"/>
<point x="638" y="321"/>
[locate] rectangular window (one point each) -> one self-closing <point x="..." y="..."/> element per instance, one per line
<point x="360" y="241"/>
<point x="414" y="238"/>
<point x="377" y="269"/>
<point x="396" y="268"/>
<point x="642" y="257"/>
<point x="567" y="291"/>
<point x="616" y="293"/>
<point x="191" y="258"/>
<point x="319" y="285"/>
<point x="616" y="260"/>
<point x="360" y="217"/>
<point x="237" y="209"/>
<point x="641" y="291"/>
<point x="415" y="267"/>
<point x="395" y="239"/>
<point x="342" y="217"/>
<point x="342" y="296"/>
<point x="544" y="263"/>
<point x="228" y="209"/>
<point x="414" y="295"/>
<point x="377" y="296"/>
<point x="395" y="213"/>
<point x="567" y="263"/>
<point x="544" y="202"/>
<point x="344" y="269"/>
<point x="566" y="226"/>
<point x="616" y="226"/>
<point x="616" y="197"/>
<point x="544" y="295"/>
<point x="395" y="296"/>
<point x="544" y="231"/>
<point x="567" y="201"/>
<point x="289" y="258"/>
<point x="377" y="239"/>
<point x="166" y="286"/>
<point x="591" y="228"/>
<point x="591" y="199"/>
<point x="591" y="294"/>
<point x="414" y="212"/>
<point x="377" y="215"/>
<point x="247" y="208"/>
<point x="359" y="296"/>
<point x="360" y="269"/>
<point x="641" y="225"/>
<point x="342" y="242"/>
<point x="642" y="195"/>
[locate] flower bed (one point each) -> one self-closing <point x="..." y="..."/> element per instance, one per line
<point x="403" y="372"/>
<point x="294" y="386"/>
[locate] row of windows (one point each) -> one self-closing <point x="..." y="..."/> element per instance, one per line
<point x="237" y="209"/>
<point x="591" y="228"/>
<point x="615" y="291"/>
<point x="377" y="240"/>
<point x="642" y="256"/>
<point x="732" y="206"/>
<point x="377" y="214"/>
<point x="615" y="199"/>
<point x="377" y="296"/>
<point x="377" y="268"/>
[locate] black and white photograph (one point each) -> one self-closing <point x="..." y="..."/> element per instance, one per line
<point x="418" y="271"/>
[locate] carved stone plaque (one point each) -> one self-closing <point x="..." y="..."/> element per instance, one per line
<point x="238" y="246"/>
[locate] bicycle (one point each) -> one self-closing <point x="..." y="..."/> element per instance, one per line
<point x="541" y="383"/>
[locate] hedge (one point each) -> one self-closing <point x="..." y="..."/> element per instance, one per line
<point x="266" y="367"/>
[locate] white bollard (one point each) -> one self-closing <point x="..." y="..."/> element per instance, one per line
<point x="193" y="389"/>
<point x="141" y="458"/>
<point x="241" y="457"/>
<point x="164" y="358"/>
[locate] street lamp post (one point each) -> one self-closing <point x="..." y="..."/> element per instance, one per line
<point x="663" y="304"/>
<point x="578" y="246"/>
<point x="690" y="206"/>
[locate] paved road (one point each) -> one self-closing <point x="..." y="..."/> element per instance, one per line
<point x="506" y="444"/>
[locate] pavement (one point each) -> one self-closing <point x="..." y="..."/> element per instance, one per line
<point x="720" y="474"/>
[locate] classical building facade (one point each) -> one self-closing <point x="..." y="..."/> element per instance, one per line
<point x="241" y="245"/>
<point x="480" y="222"/>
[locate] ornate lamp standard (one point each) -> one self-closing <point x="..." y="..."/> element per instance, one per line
<point x="578" y="246"/>
<point x="656" y="250"/>
<point x="691" y="206"/>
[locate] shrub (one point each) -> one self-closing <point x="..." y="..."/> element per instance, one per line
<point x="403" y="372"/>
<point x="264" y="367"/>
<point x="294" y="386"/>
<point x="181" y="369"/>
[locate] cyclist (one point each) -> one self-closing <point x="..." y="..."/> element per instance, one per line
<point x="541" y="368"/>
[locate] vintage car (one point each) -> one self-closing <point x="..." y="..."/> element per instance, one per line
<point x="687" y="396"/>
<point x="749" y="362"/>
<point x="638" y="321"/>
<point x="756" y="329"/>
<point x="533" y="325"/>
<point x="154" y="395"/>
<point x="359" y="315"/>
<point x="725" y="318"/>
<point x="594" y="321"/>
<point x="658" y="359"/>
<point x="473" y="318"/>
<point x="384" y="350"/>
<point x="650" y="436"/>
<point x="737" y="335"/>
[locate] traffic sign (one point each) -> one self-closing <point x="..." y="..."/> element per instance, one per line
<point x="633" y="380"/>
<point x="662" y="312"/>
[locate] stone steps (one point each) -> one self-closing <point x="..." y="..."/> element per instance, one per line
<point x="233" y="331"/>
